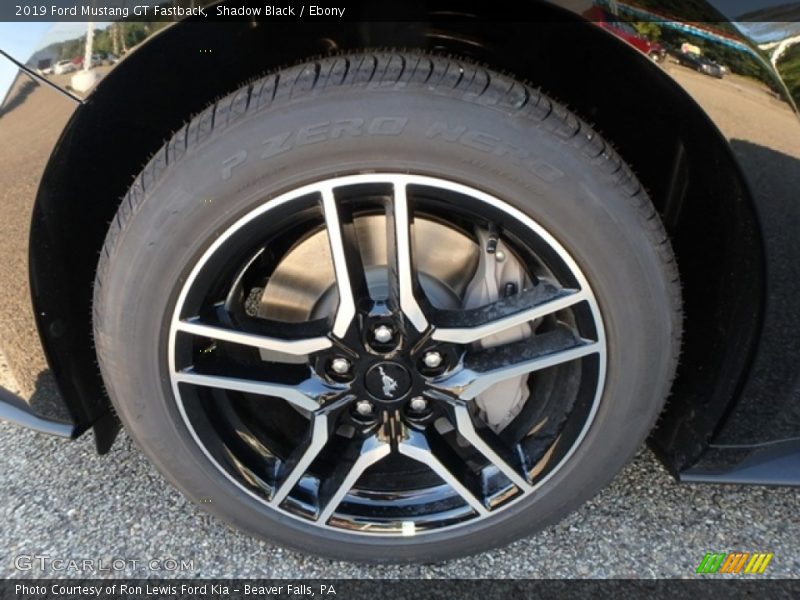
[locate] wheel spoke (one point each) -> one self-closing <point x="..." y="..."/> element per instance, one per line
<point x="307" y="396"/>
<point x="434" y="451"/>
<point x="281" y="342"/>
<point x="322" y="424"/>
<point x="508" y="461"/>
<point x="483" y="369"/>
<point x="351" y="282"/>
<point x="468" y="326"/>
<point x="403" y="284"/>
<point x="334" y="488"/>
<point x="297" y="464"/>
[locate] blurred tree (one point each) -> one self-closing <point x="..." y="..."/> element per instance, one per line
<point x="789" y="67"/>
<point x="70" y="49"/>
<point x="103" y="42"/>
<point x="648" y="29"/>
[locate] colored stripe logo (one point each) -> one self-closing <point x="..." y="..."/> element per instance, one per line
<point x="735" y="562"/>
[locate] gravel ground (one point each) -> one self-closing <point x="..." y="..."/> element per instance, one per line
<point x="58" y="498"/>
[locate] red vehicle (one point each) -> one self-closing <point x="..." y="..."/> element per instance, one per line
<point x="627" y="32"/>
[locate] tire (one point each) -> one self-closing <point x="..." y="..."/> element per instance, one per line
<point x="403" y="113"/>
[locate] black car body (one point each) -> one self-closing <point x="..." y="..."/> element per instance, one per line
<point x="723" y="173"/>
<point x="700" y="64"/>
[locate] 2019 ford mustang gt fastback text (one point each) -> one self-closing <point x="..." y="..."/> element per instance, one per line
<point x="406" y="286"/>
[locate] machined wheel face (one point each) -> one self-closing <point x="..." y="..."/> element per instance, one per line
<point x="387" y="354"/>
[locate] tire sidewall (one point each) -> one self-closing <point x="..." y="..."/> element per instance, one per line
<point x="487" y="148"/>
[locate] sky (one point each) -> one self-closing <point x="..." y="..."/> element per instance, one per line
<point x="21" y="40"/>
<point x="17" y="39"/>
<point x="735" y="8"/>
<point x="767" y="32"/>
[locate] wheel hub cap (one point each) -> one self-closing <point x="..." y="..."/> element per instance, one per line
<point x="388" y="382"/>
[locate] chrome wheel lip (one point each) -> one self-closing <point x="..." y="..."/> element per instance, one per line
<point x="400" y="181"/>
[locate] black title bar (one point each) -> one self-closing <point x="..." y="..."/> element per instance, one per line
<point x="352" y="10"/>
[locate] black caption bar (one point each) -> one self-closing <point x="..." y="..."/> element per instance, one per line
<point x="340" y="10"/>
<point x="243" y="589"/>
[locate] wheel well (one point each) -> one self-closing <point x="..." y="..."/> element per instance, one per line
<point x="677" y="153"/>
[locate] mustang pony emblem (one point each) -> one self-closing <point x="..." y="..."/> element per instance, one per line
<point x="389" y="384"/>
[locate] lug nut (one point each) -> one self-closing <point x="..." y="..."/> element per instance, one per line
<point x="499" y="256"/>
<point x="382" y="334"/>
<point x="418" y="404"/>
<point x="364" y="407"/>
<point x="432" y="359"/>
<point x="340" y="366"/>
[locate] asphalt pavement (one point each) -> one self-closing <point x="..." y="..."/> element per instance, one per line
<point x="59" y="499"/>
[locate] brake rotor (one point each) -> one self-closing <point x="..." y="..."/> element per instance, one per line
<point x="454" y="272"/>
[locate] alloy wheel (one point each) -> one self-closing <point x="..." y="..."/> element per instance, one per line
<point x="411" y="393"/>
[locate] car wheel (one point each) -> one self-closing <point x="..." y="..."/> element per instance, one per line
<point x="387" y="307"/>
